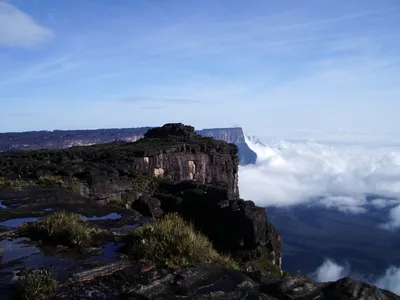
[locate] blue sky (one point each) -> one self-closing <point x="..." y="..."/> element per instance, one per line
<point x="269" y="66"/>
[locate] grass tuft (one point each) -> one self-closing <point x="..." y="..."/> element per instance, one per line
<point x="49" y="180"/>
<point x="16" y="184"/>
<point x="174" y="243"/>
<point x="118" y="202"/>
<point x="62" y="228"/>
<point x="41" y="181"/>
<point x="37" y="284"/>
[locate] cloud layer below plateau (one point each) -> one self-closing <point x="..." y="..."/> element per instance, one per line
<point x="352" y="178"/>
<point x="331" y="271"/>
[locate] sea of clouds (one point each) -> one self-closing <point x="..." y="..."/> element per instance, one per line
<point x="336" y="174"/>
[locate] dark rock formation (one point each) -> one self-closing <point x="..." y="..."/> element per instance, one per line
<point x="59" y="139"/>
<point x="121" y="170"/>
<point x="172" y="169"/>
<point x="212" y="282"/>
<point x="234" y="225"/>
<point x="178" y="132"/>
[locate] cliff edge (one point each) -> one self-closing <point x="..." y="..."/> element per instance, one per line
<point x="60" y="139"/>
<point x="171" y="171"/>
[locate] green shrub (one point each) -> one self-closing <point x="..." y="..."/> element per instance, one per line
<point x="43" y="181"/>
<point x="15" y="184"/>
<point x="264" y="263"/>
<point x="285" y="274"/>
<point x="49" y="180"/>
<point x="117" y="202"/>
<point x="37" y="284"/>
<point x="144" y="184"/>
<point x="175" y="243"/>
<point x="63" y="228"/>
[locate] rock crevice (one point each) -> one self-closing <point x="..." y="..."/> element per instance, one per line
<point x="174" y="170"/>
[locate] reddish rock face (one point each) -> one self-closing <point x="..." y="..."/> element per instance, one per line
<point x="199" y="173"/>
<point x="178" y="172"/>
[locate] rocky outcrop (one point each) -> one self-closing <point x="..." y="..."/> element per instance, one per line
<point x="172" y="169"/>
<point x="59" y="139"/>
<point x="236" y="226"/>
<point x="157" y="175"/>
<point x="121" y="170"/>
<point x="213" y="282"/>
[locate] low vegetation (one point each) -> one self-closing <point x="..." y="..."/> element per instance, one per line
<point x="48" y="180"/>
<point x="62" y="228"/>
<point x="15" y="184"/>
<point x="118" y="202"/>
<point x="37" y="284"/>
<point x="41" y="181"/>
<point x="174" y="243"/>
<point x="144" y="183"/>
<point x="285" y="274"/>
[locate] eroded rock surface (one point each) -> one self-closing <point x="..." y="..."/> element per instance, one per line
<point x="59" y="139"/>
<point x="121" y="170"/>
<point x="212" y="282"/>
<point x="171" y="170"/>
<point x="234" y="225"/>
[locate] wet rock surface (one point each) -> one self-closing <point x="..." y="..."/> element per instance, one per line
<point x="212" y="282"/>
<point x="102" y="272"/>
<point x="36" y="202"/>
<point x="120" y="186"/>
<point x="32" y="204"/>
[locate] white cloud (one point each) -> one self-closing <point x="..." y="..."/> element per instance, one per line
<point x="19" y="29"/>
<point x="334" y="176"/>
<point x="390" y="280"/>
<point x="394" y="219"/>
<point x="382" y="203"/>
<point x="332" y="271"/>
<point x="345" y="204"/>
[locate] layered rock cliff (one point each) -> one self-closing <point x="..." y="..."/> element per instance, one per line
<point x="171" y="169"/>
<point x="59" y="139"/>
<point x="235" y="136"/>
<point x="116" y="170"/>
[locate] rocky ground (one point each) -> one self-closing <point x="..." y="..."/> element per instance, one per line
<point x="32" y="204"/>
<point x="100" y="271"/>
<point x="59" y="242"/>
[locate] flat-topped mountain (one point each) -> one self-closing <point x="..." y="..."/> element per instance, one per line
<point x="140" y="244"/>
<point x="58" y="139"/>
<point x="112" y="167"/>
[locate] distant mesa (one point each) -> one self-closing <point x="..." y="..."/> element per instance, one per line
<point x="61" y="139"/>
